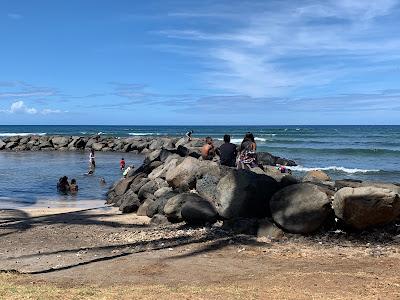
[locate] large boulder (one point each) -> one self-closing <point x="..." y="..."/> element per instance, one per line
<point x="206" y="186"/>
<point x="157" y="207"/>
<point x="197" y="210"/>
<point x="45" y="144"/>
<point x="153" y="155"/>
<point x="161" y="171"/>
<point x="316" y="176"/>
<point x="150" y="187"/>
<point x="184" y="175"/>
<point x="266" y="158"/>
<point x="123" y="185"/>
<point x="11" y="145"/>
<point x="162" y="191"/>
<point x="142" y="210"/>
<point x="365" y="207"/>
<point x="97" y="146"/>
<point x="60" y="141"/>
<point x="269" y="230"/>
<point x="130" y="203"/>
<point x="242" y="193"/>
<point x="91" y="141"/>
<point x="156" y="144"/>
<point x="173" y="206"/>
<point x="300" y="208"/>
<point x="339" y="184"/>
<point x="2" y="145"/>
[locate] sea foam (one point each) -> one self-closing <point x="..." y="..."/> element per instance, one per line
<point x="334" y="168"/>
<point x="21" y="133"/>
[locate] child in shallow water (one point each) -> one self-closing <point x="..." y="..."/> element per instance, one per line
<point x="73" y="187"/>
<point x="122" y="164"/>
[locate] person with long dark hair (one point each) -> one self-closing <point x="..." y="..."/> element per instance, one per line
<point x="247" y="153"/>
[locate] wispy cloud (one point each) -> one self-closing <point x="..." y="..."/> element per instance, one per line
<point x="277" y="50"/>
<point x="21" y="89"/>
<point x="14" y="16"/>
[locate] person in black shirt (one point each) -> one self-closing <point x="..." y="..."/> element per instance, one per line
<point x="227" y="152"/>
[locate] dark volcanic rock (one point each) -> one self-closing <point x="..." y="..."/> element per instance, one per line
<point x="207" y="187"/>
<point x="130" y="203"/>
<point x="241" y="225"/>
<point x="142" y="210"/>
<point x="159" y="219"/>
<point x="197" y="210"/>
<point x="242" y="193"/>
<point x="300" y="208"/>
<point x="173" y="207"/>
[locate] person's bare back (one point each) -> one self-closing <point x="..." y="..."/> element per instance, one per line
<point x="208" y="151"/>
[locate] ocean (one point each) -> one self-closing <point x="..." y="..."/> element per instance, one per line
<point x="355" y="152"/>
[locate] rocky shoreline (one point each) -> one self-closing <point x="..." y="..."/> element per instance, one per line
<point x="175" y="185"/>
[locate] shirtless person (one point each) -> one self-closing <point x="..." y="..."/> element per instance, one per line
<point x="208" y="150"/>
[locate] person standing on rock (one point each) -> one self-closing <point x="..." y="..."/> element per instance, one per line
<point x="247" y="155"/>
<point x="227" y="152"/>
<point x="189" y="135"/>
<point x="208" y="150"/>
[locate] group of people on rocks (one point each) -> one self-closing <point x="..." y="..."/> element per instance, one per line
<point x="242" y="157"/>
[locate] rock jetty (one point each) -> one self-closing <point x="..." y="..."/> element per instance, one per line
<point x="175" y="184"/>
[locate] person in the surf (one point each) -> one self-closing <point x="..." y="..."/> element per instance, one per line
<point x="122" y="164"/>
<point x="73" y="187"/>
<point x="63" y="185"/>
<point x="92" y="161"/>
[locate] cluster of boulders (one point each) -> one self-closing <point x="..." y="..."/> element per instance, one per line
<point x="97" y="142"/>
<point x="176" y="185"/>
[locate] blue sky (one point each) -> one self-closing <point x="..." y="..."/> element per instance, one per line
<point x="200" y="62"/>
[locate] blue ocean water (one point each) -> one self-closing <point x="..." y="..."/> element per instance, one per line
<point x="29" y="178"/>
<point x="357" y="152"/>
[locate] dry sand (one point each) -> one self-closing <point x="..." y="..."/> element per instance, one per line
<point x="103" y="249"/>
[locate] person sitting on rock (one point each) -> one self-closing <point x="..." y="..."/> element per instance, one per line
<point x="227" y="152"/>
<point x="247" y="155"/>
<point x="127" y="170"/>
<point x="208" y="150"/>
<point x="73" y="187"/>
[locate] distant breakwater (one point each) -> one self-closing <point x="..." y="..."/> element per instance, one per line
<point x="138" y="145"/>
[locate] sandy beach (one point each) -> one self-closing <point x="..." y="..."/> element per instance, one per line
<point x="67" y="252"/>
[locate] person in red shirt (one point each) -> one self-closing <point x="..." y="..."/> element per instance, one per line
<point x="122" y="164"/>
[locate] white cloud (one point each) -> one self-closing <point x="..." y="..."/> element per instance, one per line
<point x="19" y="107"/>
